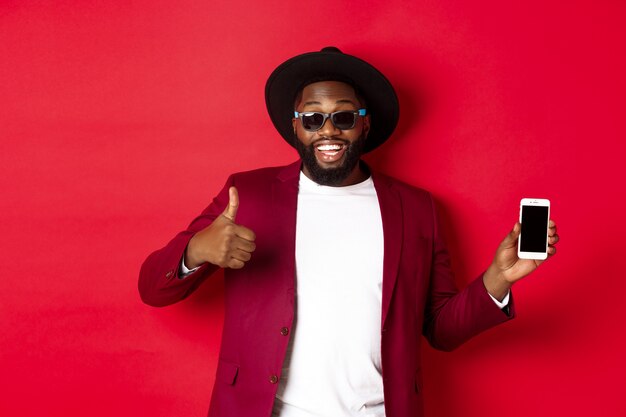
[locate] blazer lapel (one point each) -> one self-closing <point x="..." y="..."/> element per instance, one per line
<point x="391" y="213"/>
<point x="284" y="206"/>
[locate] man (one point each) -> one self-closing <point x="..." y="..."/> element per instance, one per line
<point x="332" y="271"/>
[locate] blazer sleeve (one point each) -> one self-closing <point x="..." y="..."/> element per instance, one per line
<point x="160" y="283"/>
<point x="452" y="317"/>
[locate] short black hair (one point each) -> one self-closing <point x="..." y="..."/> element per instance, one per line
<point x="329" y="77"/>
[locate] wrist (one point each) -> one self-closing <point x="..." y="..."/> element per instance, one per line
<point x="495" y="283"/>
<point x="191" y="261"/>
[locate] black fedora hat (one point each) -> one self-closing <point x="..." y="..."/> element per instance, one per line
<point x="331" y="64"/>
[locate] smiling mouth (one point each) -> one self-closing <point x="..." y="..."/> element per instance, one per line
<point x="330" y="152"/>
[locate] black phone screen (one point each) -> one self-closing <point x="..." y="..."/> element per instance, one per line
<point x="534" y="229"/>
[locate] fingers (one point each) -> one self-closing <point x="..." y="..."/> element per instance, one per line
<point x="244" y="245"/>
<point x="238" y="259"/>
<point x="245" y="233"/>
<point x="233" y="252"/>
<point x="238" y="250"/>
<point x="553" y="238"/>
<point x="241" y="255"/>
<point x="551" y="228"/>
<point x="233" y="204"/>
<point x="235" y="264"/>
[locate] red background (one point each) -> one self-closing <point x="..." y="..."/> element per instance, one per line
<point x="120" y="120"/>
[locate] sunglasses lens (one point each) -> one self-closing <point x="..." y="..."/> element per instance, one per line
<point x="312" y="121"/>
<point x="344" y="120"/>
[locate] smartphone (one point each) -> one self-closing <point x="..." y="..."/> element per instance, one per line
<point x="534" y="216"/>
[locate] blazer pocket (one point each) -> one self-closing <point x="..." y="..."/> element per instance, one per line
<point x="226" y="372"/>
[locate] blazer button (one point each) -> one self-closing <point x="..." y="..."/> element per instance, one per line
<point x="284" y="331"/>
<point x="273" y="379"/>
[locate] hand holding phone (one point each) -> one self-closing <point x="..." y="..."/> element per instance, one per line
<point x="533" y="238"/>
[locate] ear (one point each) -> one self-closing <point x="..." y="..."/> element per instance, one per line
<point x="366" y="126"/>
<point x="293" y="123"/>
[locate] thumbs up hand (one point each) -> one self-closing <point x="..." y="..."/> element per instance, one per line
<point x="223" y="242"/>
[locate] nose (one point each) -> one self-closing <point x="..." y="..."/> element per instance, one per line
<point x="328" y="129"/>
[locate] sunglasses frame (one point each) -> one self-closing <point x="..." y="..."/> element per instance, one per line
<point x="359" y="112"/>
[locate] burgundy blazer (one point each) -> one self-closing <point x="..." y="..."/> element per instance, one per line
<point x="419" y="295"/>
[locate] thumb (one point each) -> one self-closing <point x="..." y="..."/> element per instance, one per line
<point x="233" y="204"/>
<point x="511" y="239"/>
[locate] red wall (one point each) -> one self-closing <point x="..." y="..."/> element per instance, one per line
<point x="120" y="120"/>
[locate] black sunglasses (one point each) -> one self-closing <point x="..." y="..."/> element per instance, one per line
<point x="312" y="121"/>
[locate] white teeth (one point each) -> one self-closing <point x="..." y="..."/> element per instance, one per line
<point x="329" y="147"/>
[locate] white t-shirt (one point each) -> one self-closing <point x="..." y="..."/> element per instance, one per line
<point x="333" y="366"/>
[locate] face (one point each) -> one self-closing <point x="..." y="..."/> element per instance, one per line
<point x="330" y="155"/>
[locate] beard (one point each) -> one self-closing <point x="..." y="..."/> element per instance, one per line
<point x="331" y="176"/>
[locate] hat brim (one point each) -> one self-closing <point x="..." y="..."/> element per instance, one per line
<point x="286" y="80"/>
